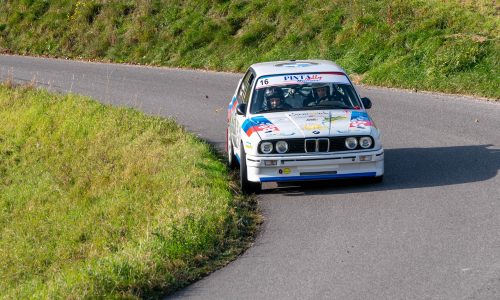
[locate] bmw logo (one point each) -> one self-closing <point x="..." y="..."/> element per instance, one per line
<point x="316" y="132"/>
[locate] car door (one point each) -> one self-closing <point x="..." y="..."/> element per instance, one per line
<point x="242" y="96"/>
<point x="232" y="113"/>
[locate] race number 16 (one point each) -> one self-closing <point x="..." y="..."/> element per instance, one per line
<point x="264" y="82"/>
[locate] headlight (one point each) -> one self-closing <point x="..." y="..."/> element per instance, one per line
<point x="351" y="143"/>
<point x="365" y="142"/>
<point x="281" y="147"/>
<point x="266" y="147"/>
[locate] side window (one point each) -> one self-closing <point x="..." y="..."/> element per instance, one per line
<point x="249" y="88"/>
<point x="241" y="92"/>
<point x="246" y="84"/>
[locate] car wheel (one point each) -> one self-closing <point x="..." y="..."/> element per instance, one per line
<point x="377" y="179"/>
<point x="231" y="158"/>
<point x="247" y="187"/>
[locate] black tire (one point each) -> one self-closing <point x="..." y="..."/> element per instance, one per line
<point x="247" y="187"/>
<point x="231" y="158"/>
<point x="377" y="179"/>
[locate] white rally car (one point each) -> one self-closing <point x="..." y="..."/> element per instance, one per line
<point x="301" y="120"/>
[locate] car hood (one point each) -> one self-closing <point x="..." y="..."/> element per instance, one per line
<point x="306" y="124"/>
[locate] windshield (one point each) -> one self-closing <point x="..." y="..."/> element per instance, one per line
<point x="303" y="92"/>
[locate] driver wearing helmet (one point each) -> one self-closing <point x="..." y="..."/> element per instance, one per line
<point x="275" y="99"/>
<point x="319" y="93"/>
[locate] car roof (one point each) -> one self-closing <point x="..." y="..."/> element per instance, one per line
<point x="295" y="66"/>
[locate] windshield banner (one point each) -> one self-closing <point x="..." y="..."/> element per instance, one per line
<point x="286" y="79"/>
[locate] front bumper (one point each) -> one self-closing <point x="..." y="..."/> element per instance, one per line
<point x="324" y="166"/>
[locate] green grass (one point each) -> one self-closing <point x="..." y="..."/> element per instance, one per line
<point x="105" y="202"/>
<point x="450" y="46"/>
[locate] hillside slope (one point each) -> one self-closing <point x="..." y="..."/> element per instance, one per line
<point x="421" y="44"/>
<point x="100" y="202"/>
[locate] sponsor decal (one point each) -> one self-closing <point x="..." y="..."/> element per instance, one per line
<point x="285" y="171"/>
<point x="248" y="145"/>
<point x="360" y="119"/>
<point x="333" y="119"/>
<point x="314" y="127"/>
<point x="301" y="115"/>
<point x="284" y="79"/>
<point x="309" y="116"/>
<point x="259" y="123"/>
<point x="302" y="78"/>
<point x="231" y="107"/>
<point x="280" y="134"/>
<point x="233" y="103"/>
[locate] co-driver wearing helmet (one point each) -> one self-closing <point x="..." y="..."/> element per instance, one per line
<point x="274" y="99"/>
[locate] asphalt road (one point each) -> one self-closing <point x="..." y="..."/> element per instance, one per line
<point x="430" y="231"/>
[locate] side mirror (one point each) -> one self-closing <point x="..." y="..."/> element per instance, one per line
<point x="367" y="103"/>
<point x="241" y="109"/>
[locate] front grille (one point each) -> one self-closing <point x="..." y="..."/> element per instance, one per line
<point x="323" y="145"/>
<point x="310" y="145"/>
<point x="332" y="144"/>
<point x="295" y="146"/>
<point x="337" y="144"/>
<point x="317" y="145"/>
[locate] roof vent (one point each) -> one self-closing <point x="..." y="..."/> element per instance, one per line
<point x="296" y="64"/>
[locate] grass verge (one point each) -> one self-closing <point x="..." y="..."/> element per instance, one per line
<point x="105" y="202"/>
<point x="448" y="46"/>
